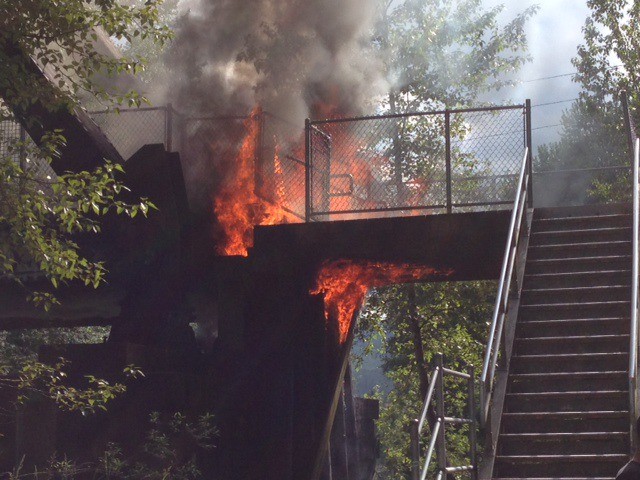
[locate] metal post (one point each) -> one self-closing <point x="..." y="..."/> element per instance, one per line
<point x="307" y="167"/>
<point x="530" y="147"/>
<point x="483" y="402"/>
<point x="440" y="446"/>
<point x="447" y="134"/>
<point x="169" y="127"/>
<point x="415" y="449"/>
<point x="472" y="416"/>
<point x="259" y="158"/>
<point x="627" y="120"/>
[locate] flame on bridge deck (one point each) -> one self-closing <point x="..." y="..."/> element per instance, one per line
<point x="345" y="283"/>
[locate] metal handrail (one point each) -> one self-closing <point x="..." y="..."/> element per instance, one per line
<point x="437" y="441"/>
<point x="504" y="286"/>
<point x="633" y="347"/>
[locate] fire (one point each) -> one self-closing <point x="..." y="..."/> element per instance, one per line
<point x="345" y="283"/>
<point x="238" y="209"/>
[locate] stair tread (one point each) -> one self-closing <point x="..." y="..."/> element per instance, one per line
<point x="573" y="304"/>
<point x="582" y="217"/>
<point x="581" y="244"/>
<point x="586" y="273"/>
<point x="570" y="393"/>
<point x="571" y="337"/>
<point x="591" y="319"/>
<point x="568" y="374"/>
<point x="568" y="289"/>
<point x="553" y="478"/>
<point x="578" y="259"/>
<point x="588" y="413"/>
<point x="580" y="231"/>
<point x="567" y="355"/>
<point x="566" y="434"/>
<point x="608" y="457"/>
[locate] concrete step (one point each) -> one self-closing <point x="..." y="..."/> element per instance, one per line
<point x="578" y="250"/>
<point x="578" y="279"/>
<point x="578" y="264"/>
<point x="555" y="478"/>
<point x="582" y="235"/>
<point x="569" y="362"/>
<point x="606" y="420"/>
<point x="567" y="401"/>
<point x="573" y="310"/>
<point x="572" y="344"/>
<point x="583" y="222"/>
<point x="576" y="294"/>
<point x="583" y="210"/>
<point x="566" y="443"/>
<point x="528" y="466"/>
<point x="567" y="381"/>
<point x="578" y="326"/>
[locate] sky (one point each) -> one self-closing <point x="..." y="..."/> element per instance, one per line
<point x="554" y="34"/>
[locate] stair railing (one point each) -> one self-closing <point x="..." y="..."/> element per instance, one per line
<point x="633" y="348"/>
<point x="495" y="342"/>
<point x="633" y="144"/>
<point x="437" y="441"/>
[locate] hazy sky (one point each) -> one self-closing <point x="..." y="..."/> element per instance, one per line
<point x="554" y="34"/>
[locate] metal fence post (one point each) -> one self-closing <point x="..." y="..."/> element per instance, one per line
<point x="447" y="134"/>
<point x="415" y="449"/>
<point x="441" y="448"/>
<point x="471" y="390"/>
<point x="169" y="127"/>
<point x="530" y="146"/>
<point x="307" y="167"/>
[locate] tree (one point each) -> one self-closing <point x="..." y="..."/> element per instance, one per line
<point x="593" y="128"/>
<point x="414" y="322"/>
<point x="41" y="215"/>
<point x="443" y="55"/>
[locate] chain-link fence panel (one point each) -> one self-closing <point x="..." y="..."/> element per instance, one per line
<point x="487" y="149"/>
<point x="16" y="143"/>
<point x="209" y="148"/>
<point x="404" y="164"/>
<point x="131" y="129"/>
<point x="280" y="171"/>
<point x="378" y="164"/>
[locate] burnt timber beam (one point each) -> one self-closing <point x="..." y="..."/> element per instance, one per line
<point x="86" y="146"/>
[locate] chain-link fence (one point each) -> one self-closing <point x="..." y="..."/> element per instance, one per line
<point x="130" y="129"/>
<point x="372" y="166"/>
<point x="402" y="164"/>
<point x="16" y="143"/>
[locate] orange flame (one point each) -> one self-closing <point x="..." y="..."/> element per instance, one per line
<point x="345" y="283"/>
<point x="238" y="209"/>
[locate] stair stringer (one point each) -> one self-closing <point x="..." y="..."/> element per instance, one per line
<point x="492" y="427"/>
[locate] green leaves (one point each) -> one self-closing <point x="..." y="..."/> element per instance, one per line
<point x="451" y="319"/>
<point x="40" y="216"/>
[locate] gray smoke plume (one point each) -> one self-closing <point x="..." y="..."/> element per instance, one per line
<point x="289" y="56"/>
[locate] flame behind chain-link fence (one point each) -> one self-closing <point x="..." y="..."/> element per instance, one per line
<point x="370" y="166"/>
<point x="403" y="164"/>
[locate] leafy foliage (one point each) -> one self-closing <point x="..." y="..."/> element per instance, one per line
<point x="414" y="322"/>
<point x="446" y="53"/>
<point x="593" y="128"/>
<point x="168" y="453"/>
<point x="41" y="214"/>
<point x="63" y="37"/>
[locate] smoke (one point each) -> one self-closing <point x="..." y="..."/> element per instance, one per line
<point x="295" y="58"/>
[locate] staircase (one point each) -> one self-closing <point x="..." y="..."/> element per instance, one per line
<point x="566" y="411"/>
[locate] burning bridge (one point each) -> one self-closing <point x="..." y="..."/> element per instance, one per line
<point x="274" y="257"/>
